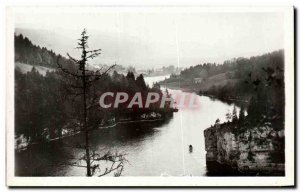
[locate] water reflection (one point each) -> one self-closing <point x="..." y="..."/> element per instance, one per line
<point x="152" y="149"/>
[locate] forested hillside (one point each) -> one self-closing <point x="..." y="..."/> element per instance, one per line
<point x="258" y="82"/>
<point x="46" y="106"/>
<point x="233" y="77"/>
<point x="26" y="52"/>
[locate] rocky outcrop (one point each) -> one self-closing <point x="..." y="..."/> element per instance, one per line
<point x="259" y="150"/>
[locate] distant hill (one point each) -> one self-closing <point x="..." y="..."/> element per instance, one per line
<point x="230" y="76"/>
<point x="51" y="39"/>
<point x="28" y="53"/>
<point x="115" y="49"/>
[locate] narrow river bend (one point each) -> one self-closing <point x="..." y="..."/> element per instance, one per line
<point x="157" y="151"/>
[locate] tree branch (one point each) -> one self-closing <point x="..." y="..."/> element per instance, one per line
<point x="65" y="70"/>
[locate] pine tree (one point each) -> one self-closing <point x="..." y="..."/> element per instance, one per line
<point x="85" y="79"/>
<point x="234" y="114"/>
<point x="140" y="82"/>
<point x="242" y="114"/>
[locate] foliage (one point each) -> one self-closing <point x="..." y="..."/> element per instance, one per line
<point x="258" y="80"/>
<point x="234" y="115"/>
<point x="50" y="102"/>
<point x="26" y="52"/>
<point x="39" y="104"/>
<point x="242" y="115"/>
<point x="250" y="156"/>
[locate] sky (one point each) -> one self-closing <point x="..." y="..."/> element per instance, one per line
<point x="147" y="38"/>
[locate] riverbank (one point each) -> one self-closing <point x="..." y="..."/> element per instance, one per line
<point x="153" y="148"/>
<point x="23" y="146"/>
<point x="237" y="100"/>
<point x="179" y="86"/>
<point x="256" y="151"/>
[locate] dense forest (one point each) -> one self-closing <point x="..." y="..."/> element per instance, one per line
<point x="46" y="107"/>
<point x="26" y="52"/>
<point x="257" y="83"/>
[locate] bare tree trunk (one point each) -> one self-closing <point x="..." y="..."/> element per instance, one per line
<point x="87" y="147"/>
<point x="87" y="151"/>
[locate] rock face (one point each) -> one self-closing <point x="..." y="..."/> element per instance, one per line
<point x="259" y="150"/>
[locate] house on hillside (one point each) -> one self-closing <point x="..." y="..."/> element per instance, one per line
<point x="202" y="75"/>
<point x="198" y="80"/>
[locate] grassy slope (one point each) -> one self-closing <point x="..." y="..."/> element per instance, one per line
<point x="189" y="85"/>
<point x="24" y="68"/>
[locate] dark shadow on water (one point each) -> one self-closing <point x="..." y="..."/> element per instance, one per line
<point x="215" y="169"/>
<point x="41" y="160"/>
<point x="229" y="102"/>
<point x="51" y="159"/>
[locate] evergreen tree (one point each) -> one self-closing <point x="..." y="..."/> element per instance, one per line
<point x="140" y="82"/>
<point x="242" y="114"/>
<point x="85" y="79"/>
<point x="234" y="114"/>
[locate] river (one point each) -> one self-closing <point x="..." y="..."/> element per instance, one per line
<point x="158" y="150"/>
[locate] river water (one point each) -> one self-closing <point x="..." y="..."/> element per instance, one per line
<point x="151" y="150"/>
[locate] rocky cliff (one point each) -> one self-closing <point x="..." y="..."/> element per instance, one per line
<point x="258" y="151"/>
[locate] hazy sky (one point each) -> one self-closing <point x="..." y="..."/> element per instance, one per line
<point x="155" y="37"/>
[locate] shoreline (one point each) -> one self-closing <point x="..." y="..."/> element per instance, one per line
<point x="197" y="93"/>
<point x="99" y="128"/>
